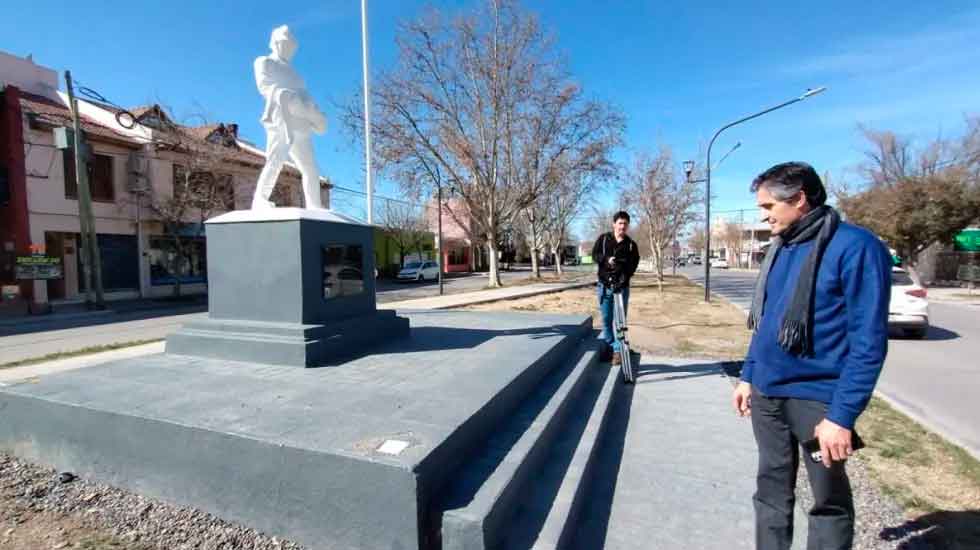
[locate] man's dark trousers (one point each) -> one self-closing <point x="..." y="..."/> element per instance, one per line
<point x="780" y="424"/>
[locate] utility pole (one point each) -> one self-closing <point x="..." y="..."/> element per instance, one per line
<point x="91" y="261"/>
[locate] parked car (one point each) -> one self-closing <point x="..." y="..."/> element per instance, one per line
<point x="909" y="310"/>
<point x="342" y="280"/>
<point x="681" y="262"/>
<point x="719" y="263"/>
<point x="696" y="261"/>
<point x="419" y="271"/>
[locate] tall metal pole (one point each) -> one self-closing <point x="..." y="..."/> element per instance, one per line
<point x="439" y="237"/>
<point x="92" y="263"/>
<point x="707" y="225"/>
<point x="741" y="228"/>
<point x="367" y="111"/>
<point x="707" y="195"/>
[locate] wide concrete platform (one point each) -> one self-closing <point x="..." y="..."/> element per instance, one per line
<point x="297" y="452"/>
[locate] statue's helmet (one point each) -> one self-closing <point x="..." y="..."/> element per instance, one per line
<point x="283" y="43"/>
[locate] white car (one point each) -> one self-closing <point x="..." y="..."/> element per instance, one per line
<point x="419" y="271"/>
<point x="909" y="311"/>
<point x="719" y="263"/>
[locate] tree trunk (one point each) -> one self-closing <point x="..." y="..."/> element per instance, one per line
<point x="494" y="279"/>
<point x="535" y="265"/>
<point x="558" y="247"/>
<point x="655" y="250"/>
<point x="660" y="268"/>
<point x="178" y="265"/>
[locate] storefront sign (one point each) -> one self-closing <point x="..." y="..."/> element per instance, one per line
<point x="37" y="267"/>
<point x="967" y="240"/>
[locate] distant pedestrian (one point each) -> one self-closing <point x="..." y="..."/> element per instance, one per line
<point x="820" y="322"/>
<point x="617" y="257"/>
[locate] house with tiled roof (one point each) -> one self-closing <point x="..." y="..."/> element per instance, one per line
<point x="137" y="156"/>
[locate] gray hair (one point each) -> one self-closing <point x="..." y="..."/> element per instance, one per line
<point x="785" y="181"/>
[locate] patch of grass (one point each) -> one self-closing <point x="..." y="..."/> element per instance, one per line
<point x="686" y="346"/>
<point x="923" y="472"/>
<point x="76" y="353"/>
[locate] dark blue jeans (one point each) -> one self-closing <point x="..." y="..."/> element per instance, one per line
<point x="605" y="295"/>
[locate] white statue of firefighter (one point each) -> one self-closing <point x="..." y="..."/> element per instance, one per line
<point x="290" y="118"/>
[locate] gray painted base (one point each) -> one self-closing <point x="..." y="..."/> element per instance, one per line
<point x="295" y="452"/>
<point x="286" y="343"/>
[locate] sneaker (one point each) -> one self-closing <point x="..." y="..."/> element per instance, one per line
<point x="617" y="359"/>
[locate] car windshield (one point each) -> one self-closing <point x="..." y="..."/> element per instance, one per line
<point x="901" y="278"/>
<point x="412" y="265"/>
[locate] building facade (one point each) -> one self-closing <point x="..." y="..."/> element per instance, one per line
<point x="462" y="251"/>
<point x="131" y="172"/>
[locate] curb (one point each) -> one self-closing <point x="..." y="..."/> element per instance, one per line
<point x="927" y="424"/>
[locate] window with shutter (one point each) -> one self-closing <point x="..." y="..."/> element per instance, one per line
<point x="100" y="181"/>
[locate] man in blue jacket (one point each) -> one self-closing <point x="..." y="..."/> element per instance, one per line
<point x="820" y="322"/>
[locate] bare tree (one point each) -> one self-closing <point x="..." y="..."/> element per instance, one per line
<point x="201" y="184"/>
<point x="533" y="224"/>
<point x="697" y="241"/>
<point x="665" y="200"/>
<point x="731" y="236"/>
<point x="481" y="104"/>
<point x="406" y="226"/>
<point x="914" y="197"/>
<point x="564" y="204"/>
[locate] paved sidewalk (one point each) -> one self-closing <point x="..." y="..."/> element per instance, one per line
<point x="676" y="467"/>
<point x="483" y="296"/>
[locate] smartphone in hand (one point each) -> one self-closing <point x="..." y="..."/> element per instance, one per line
<point x="812" y="446"/>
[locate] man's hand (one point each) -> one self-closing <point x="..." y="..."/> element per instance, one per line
<point x="742" y="398"/>
<point x="612" y="261"/>
<point x="835" y="441"/>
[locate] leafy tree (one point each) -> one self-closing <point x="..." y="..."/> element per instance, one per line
<point x="913" y="197"/>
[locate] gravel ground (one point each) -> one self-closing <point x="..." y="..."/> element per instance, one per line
<point x="880" y="523"/>
<point x="36" y="498"/>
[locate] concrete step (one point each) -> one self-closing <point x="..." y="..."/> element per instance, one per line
<point x="478" y="506"/>
<point x="547" y="518"/>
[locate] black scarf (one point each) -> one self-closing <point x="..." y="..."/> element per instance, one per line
<point x="796" y="332"/>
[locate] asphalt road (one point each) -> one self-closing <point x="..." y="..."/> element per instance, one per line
<point x="36" y="337"/>
<point x="935" y="380"/>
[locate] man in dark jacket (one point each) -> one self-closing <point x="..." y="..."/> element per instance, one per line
<point x="820" y="322"/>
<point x="617" y="256"/>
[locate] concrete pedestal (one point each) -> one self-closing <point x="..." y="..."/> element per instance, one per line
<point x="288" y="286"/>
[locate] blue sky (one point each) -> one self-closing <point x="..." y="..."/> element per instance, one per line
<point x="678" y="70"/>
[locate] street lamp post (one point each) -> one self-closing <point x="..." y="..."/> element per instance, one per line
<point x="689" y="169"/>
<point x="707" y="178"/>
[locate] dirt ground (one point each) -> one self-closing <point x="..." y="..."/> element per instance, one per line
<point x="676" y="323"/>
